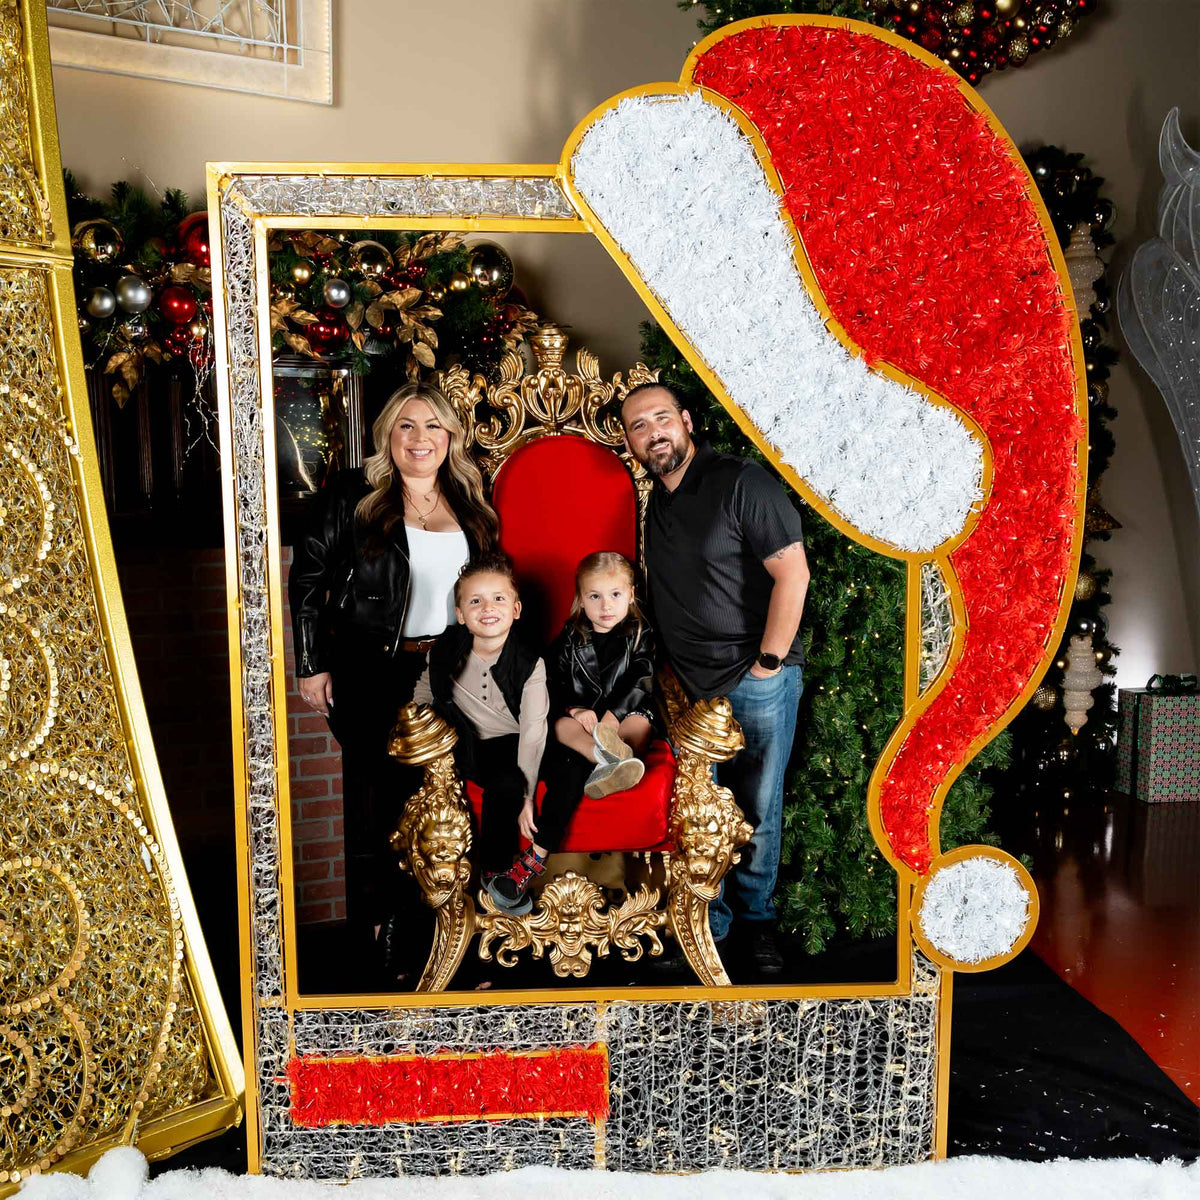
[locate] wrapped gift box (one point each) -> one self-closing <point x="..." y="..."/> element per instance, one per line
<point x="1158" y="752"/>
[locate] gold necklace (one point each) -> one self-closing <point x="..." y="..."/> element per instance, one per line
<point x="424" y="517"/>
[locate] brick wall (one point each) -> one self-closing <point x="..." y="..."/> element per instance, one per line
<point x="315" y="763"/>
<point x="175" y="604"/>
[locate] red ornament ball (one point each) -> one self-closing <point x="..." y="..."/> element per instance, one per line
<point x="329" y="332"/>
<point x="177" y="341"/>
<point x="192" y="235"/>
<point x="177" y="303"/>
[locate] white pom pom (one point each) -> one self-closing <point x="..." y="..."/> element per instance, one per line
<point x="976" y="908"/>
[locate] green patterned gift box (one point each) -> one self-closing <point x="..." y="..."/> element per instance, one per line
<point x="1158" y="752"/>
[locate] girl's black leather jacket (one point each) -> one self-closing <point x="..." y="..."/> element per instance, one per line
<point x="577" y="680"/>
<point x="340" y="588"/>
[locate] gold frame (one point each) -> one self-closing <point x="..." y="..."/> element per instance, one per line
<point x="231" y="191"/>
<point x="53" y="259"/>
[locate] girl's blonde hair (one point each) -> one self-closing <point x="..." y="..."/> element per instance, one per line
<point x="459" y="478"/>
<point x="606" y="562"/>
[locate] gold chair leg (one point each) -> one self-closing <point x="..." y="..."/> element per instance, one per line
<point x="689" y="922"/>
<point x="433" y="840"/>
<point x="707" y="827"/>
<point x="452" y="936"/>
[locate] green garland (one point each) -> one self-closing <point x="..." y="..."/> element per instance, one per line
<point x="429" y="306"/>
<point x="974" y="37"/>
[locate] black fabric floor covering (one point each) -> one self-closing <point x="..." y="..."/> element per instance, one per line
<point x="1038" y="1072"/>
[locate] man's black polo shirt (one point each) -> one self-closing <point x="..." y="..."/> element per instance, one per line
<point x="705" y="546"/>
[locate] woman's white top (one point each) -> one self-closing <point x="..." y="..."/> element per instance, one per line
<point x="434" y="561"/>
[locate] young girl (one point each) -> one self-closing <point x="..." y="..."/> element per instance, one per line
<point x="600" y="672"/>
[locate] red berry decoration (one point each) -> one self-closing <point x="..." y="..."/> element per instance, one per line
<point x="194" y="245"/>
<point x="177" y="304"/>
<point x="329" y="332"/>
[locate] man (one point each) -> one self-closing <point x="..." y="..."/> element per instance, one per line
<point x="727" y="577"/>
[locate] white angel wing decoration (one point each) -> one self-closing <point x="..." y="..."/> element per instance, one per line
<point x="1158" y="300"/>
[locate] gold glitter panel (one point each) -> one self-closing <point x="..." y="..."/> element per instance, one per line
<point x="110" y="1027"/>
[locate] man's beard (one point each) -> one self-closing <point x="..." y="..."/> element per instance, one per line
<point x="673" y="461"/>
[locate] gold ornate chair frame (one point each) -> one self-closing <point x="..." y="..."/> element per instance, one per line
<point x="572" y="919"/>
<point x="695" y="1032"/>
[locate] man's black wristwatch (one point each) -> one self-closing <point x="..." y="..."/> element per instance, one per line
<point x="769" y="662"/>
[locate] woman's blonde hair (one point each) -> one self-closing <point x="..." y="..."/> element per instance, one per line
<point x="459" y="478"/>
<point x="606" y="562"/>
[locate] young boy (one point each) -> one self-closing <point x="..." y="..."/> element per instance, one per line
<point x="492" y="688"/>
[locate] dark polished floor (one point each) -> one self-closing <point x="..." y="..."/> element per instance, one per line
<point x="1120" y="916"/>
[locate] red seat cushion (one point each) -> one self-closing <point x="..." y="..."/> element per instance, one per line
<point x="632" y="820"/>
<point x="560" y="499"/>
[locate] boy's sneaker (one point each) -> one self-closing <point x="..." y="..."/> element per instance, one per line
<point x="510" y="890"/>
<point x="614" y="777"/>
<point x="612" y="747"/>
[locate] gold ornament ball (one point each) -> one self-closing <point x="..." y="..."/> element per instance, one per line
<point x="491" y="269"/>
<point x="1007" y="8"/>
<point x="436" y="292"/>
<point x="98" y="239"/>
<point x="963" y="14"/>
<point x="1018" y="50"/>
<point x="302" y="272"/>
<point x="460" y="281"/>
<point x="1045" y="698"/>
<point x="198" y="328"/>
<point x="370" y="258"/>
<point x="1085" y="586"/>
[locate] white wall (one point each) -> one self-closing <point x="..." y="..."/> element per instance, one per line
<point x="458" y="80"/>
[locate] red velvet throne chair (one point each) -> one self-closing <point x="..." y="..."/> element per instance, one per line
<point x="632" y="866"/>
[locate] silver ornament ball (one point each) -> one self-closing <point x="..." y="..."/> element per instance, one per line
<point x="100" y="303"/>
<point x="132" y="294"/>
<point x="337" y="293"/>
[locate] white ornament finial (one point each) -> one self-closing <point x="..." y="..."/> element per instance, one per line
<point x="1084" y="268"/>
<point x="1081" y="678"/>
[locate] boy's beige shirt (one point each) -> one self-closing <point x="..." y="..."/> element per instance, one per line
<point x="479" y="700"/>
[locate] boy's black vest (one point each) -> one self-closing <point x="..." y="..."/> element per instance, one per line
<point x="448" y="656"/>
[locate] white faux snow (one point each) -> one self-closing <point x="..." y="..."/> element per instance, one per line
<point x="679" y="187"/>
<point x="121" y="1175"/>
<point x="974" y="909"/>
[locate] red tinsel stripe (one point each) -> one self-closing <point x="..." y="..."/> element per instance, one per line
<point x="925" y="242"/>
<point x="571" y="1082"/>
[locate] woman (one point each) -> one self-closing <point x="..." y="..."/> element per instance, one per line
<point x="371" y="586"/>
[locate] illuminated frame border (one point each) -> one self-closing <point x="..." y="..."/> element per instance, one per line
<point x="247" y="201"/>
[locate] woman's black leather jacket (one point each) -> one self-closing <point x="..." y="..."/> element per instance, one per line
<point x="577" y="680"/>
<point x="342" y="589"/>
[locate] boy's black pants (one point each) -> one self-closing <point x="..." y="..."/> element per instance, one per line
<point x="492" y="764"/>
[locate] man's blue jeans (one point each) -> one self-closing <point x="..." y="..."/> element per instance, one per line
<point x="766" y="711"/>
